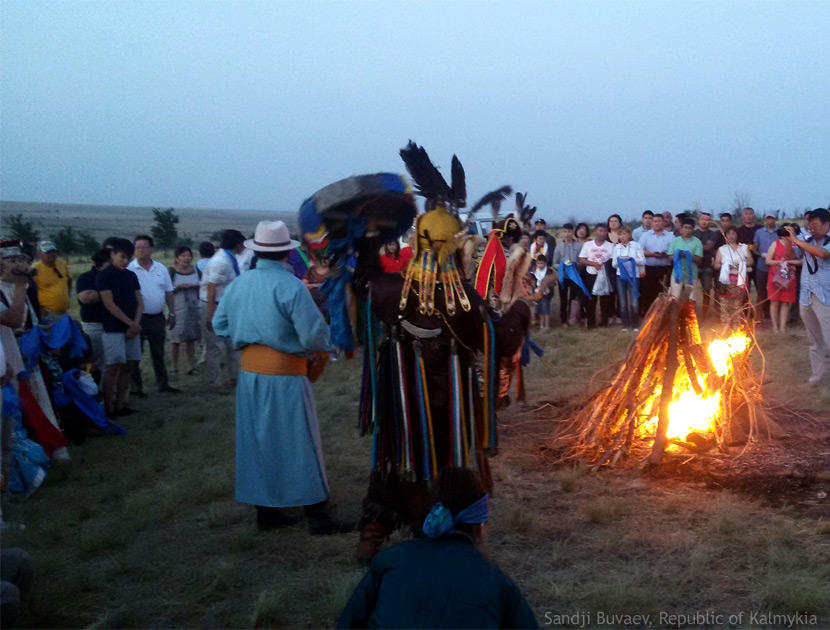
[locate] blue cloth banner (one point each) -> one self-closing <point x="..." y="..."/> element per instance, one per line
<point x="628" y="274"/>
<point x="87" y="404"/>
<point x="527" y="347"/>
<point x="334" y="288"/>
<point x="39" y="341"/>
<point x="568" y="271"/>
<point x="679" y="255"/>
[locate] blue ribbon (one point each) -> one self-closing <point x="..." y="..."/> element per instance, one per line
<point x="679" y="255"/>
<point x="440" y="520"/>
<point x="568" y="271"/>
<point x="628" y="274"/>
<point x="334" y="288"/>
<point x="233" y="260"/>
<point x="527" y="347"/>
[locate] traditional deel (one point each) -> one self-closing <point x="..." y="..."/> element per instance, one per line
<point x="431" y="363"/>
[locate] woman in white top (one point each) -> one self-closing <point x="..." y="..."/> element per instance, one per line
<point x="733" y="262"/>
<point x="629" y="260"/>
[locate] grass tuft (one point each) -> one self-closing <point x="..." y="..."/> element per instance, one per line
<point x="605" y="511"/>
<point x="795" y="592"/>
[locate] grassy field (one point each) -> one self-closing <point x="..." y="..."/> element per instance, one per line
<point x="143" y="531"/>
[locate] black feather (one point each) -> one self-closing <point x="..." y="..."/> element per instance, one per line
<point x="493" y="197"/>
<point x="520" y="201"/>
<point x="524" y="212"/>
<point x="459" y="184"/>
<point x="429" y="182"/>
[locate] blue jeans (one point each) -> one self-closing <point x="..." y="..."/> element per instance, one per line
<point x="628" y="305"/>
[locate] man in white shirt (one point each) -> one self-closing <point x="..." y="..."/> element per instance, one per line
<point x="222" y="269"/>
<point x="156" y="291"/>
<point x="594" y="254"/>
<point x="655" y="244"/>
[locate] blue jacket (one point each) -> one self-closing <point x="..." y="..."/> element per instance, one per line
<point x="441" y="583"/>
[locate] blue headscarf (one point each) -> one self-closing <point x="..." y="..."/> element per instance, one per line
<point x="440" y="520"/>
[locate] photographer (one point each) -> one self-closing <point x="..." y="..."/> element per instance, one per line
<point x="815" y="290"/>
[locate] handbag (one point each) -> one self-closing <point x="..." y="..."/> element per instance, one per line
<point x="783" y="276"/>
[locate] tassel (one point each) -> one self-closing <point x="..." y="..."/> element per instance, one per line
<point x="449" y="293"/>
<point x="490" y="418"/>
<point x="406" y="430"/>
<point x="422" y="408"/>
<point x="456" y="402"/>
<point x="431" y="435"/>
<point x="457" y="287"/>
<point x="471" y="452"/>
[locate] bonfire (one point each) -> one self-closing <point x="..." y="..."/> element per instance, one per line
<point x="673" y="393"/>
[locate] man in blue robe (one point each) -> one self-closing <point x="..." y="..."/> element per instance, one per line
<point x="270" y="316"/>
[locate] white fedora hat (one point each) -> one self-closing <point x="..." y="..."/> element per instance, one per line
<point x="271" y="236"/>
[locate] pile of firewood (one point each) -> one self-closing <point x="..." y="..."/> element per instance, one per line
<point x="667" y="353"/>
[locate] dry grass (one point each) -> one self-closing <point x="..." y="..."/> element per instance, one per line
<point x="143" y="530"/>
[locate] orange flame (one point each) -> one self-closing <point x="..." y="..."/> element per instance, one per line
<point x="690" y="412"/>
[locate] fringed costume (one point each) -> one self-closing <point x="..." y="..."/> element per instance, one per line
<point x="432" y="350"/>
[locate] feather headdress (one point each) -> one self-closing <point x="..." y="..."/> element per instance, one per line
<point x="524" y="211"/>
<point x="430" y="184"/>
<point x="439" y="233"/>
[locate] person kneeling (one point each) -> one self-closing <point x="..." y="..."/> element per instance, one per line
<point x="442" y="581"/>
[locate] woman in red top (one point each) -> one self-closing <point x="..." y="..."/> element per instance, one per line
<point x="394" y="259"/>
<point x="781" y="279"/>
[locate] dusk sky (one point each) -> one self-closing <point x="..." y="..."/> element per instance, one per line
<point x="591" y="108"/>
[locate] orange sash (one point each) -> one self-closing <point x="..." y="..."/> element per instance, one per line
<point x="261" y="359"/>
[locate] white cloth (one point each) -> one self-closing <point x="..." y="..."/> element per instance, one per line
<point x="596" y="253"/>
<point x="244" y="259"/>
<point x="155" y="283"/>
<point x="540" y="274"/>
<point x="731" y="258"/>
<point x="218" y="271"/>
<point x="632" y="250"/>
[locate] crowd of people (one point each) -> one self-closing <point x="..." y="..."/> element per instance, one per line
<point x="203" y="312"/>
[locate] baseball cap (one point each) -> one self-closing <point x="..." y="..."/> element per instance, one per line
<point x="47" y="246"/>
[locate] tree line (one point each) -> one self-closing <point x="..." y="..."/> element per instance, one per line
<point x="72" y="241"/>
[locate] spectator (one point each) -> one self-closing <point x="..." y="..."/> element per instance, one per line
<point x="524" y="241"/>
<point x="764" y="238"/>
<point x="120" y="294"/>
<point x="540" y="246"/>
<point x="648" y="215"/>
<point x="746" y="232"/>
<point x="805" y="233"/>
<point x="655" y="244"/>
<point x="270" y="315"/>
<point x="395" y="259"/>
<point x="814" y="299"/>
<point x="541" y="224"/>
<point x="156" y="291"/>
<point x="705" y="272"/>
<point x="614" y="225"/>
<point x="223" y="268"/>
<point x="441" y="580"/>
<point x="684" y="271"/>
<point x="543" y="279"/>
<point x="187" y="323"/>
<point x="582" y="233"/>
<point x="593" y="255"/>
<point x="92" y="310"/>
<point x="724" y="221"/>
<point x="733" y="263"/>
<point x="567" y="253"/>
<point x="628" y="259"/>
<point x="668" y="222"/>
<point x="782" y="263"/>
<point x="54" y="282"/>
<point x="206" y="251"/>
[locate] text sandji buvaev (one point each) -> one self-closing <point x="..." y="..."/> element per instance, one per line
<point x="663" y="619"/>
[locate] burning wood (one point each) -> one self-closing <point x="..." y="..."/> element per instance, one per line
<point x="673" y="392"/>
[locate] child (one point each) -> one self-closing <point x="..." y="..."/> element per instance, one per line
<point x="684" y="272"/>
<point x="629" y="260"/>
<point x="543" y="279"/>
